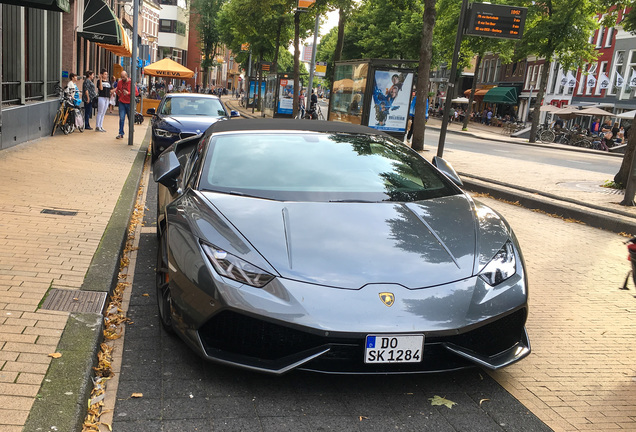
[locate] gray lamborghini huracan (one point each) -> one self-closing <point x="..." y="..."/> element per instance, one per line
<point x="324" y="246"/>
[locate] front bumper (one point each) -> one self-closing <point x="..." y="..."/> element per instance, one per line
<point x="253" y="343"/>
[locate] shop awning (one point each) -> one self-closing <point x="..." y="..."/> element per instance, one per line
<point x="52" y="5"/>
<point x="505" y="95"/>
<point x="478" y="93"/>
<point x="100" y="24"/>
<point x="168" y="68"/>
<point x="123" y="50"/>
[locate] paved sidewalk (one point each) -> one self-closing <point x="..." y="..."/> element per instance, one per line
<point x="79" y="176"/>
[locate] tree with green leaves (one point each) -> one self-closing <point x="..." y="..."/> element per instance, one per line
<point x="558" y="30"/>
<point x="206" y="13"/>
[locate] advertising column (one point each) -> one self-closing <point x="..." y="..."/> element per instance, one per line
<point x="391" y="97"/>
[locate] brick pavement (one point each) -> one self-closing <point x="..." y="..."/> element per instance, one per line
<point x="581" y="373"/>
<point x="81" y="172"/>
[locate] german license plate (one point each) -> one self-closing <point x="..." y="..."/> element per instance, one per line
<point x="393" y="349"/>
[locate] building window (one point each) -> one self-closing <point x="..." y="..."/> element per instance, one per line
<point x="599" y="38"/>
<point x="610" y="36"/>
<point x="591" y="72"/>
<point x="617" y="67"/>
<point x="497" y="70"/>
<point x="172" y="26"/>
<point x="581" y="83"/>
<point x="598" y="82"/>
<point x="165" y="26"/>
<point x="528" y="79"/>
<point x="555" y="78"/>
<point x="628" y="74"/>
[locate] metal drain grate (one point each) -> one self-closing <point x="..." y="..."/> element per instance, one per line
<point x="75" y="301"/>
<point x="59" y="212"/>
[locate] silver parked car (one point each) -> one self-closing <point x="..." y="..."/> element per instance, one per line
<point x="330" y="247"/>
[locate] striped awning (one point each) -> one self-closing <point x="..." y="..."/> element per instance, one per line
<point x="104" y="28"/>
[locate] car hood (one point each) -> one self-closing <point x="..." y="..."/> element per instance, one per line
<point x="196" y="124"/>
<point x="350" y="245"/>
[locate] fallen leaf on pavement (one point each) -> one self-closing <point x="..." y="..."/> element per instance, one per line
<point x="438" y="400"/>
<point x="55" y="355"/>
<point x="146" y="295"/>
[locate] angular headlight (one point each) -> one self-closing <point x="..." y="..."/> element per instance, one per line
<point x="234" y="268"/>
<point x="501" y="267"/>
<point x="165" y="134"/>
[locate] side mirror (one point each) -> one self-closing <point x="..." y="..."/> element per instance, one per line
<point x="447" y="170"/>
<point x="166" y="170"/>
<point x="151" y="111"/>
<point x="234" y="113"/>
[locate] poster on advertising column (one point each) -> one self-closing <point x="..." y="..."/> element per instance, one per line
<point x="285" y="97"/>
<point x="391" y="96"/>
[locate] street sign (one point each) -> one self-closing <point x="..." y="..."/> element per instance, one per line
<point x="496" y="21"/>
<point x="321" y="69"/>
<point x="305" y="4"/>
<point x="307" y="52"/>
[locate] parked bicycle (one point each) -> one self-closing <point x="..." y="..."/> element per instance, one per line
<point x="68" y="117"/>
<point x="544" y="134"/>
<point x="314" y="113"/>
<point x="511" y="127"/>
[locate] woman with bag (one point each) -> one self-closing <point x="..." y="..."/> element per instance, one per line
<point x="103" y="99"/>
<point x="88" y="94"/>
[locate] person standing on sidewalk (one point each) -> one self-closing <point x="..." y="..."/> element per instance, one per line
<point x="113" y="96"/>
<point x="123" y="94"/>
<point x="103" y="94"/>
<point x="88" y="94"/>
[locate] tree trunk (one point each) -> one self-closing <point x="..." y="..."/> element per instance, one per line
<point x="296" y="62"/>
<point x="536" y="115"/>
<point x="274" y="68"/>
<point x="623" y="173"/>
<point x="472" y="93"/>
<point x="423" y="72"/>
<point x="342" y="20"/>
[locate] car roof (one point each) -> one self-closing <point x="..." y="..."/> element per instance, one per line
<point x="201" y="95"/>
<point x="246" y="125"/>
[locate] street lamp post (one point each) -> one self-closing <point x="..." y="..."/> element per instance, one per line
<point x="133" y="75"/>
<point x="529" y="105"/>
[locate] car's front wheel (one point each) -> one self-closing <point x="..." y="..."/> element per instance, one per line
<point x="164" y="299"/>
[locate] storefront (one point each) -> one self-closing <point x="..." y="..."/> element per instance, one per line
<point x="31" y="40"/>
<point x="503" y="101"/>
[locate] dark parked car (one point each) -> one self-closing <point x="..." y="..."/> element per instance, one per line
<point x="331" y="247"/>
<point x="181" y="115"/>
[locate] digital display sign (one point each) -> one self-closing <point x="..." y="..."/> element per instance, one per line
<point x="496" y="21"/>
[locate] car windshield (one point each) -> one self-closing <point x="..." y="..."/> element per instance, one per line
<point x="193" y="106"/>
<point x="308" y="166"/>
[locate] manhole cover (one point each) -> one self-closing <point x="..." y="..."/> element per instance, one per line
<point x="591" y="186"/>
<point x="75" y="301"/>
<point x="59" y="212"/>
